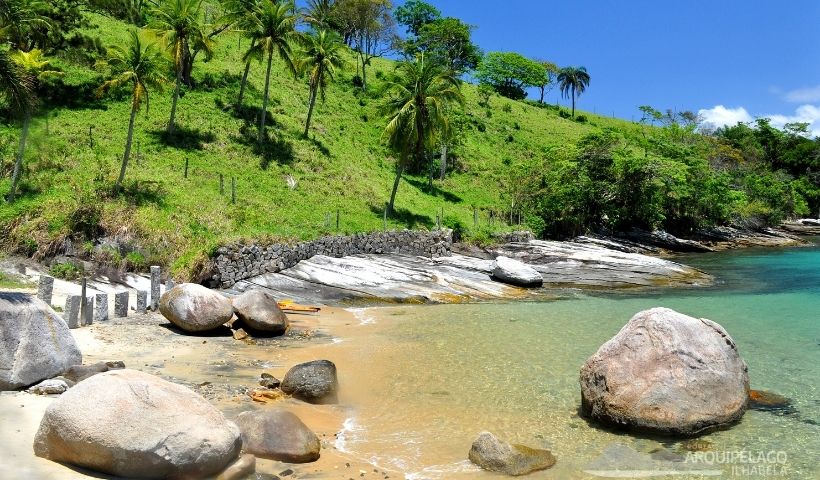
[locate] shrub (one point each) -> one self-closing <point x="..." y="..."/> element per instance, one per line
<point x="357" y="81"/>
<point x="510" y="138"/>
<point x="564" y="114"/>
<point x="581" y="119"/>
<point x="66" y="271"/>
<point x="507" y="108"/>
<point x="135" y="261"/>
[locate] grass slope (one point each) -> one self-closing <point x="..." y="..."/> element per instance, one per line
<point x="343" y="166"/>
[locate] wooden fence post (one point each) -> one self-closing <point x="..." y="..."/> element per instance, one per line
<point x="233" y="190"/>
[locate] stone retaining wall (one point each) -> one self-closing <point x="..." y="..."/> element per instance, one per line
<point x="239" y="262"/>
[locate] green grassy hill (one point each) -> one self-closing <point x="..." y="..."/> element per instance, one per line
<point x="343" y="166"/>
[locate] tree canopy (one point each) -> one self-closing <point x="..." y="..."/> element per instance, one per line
<point x="510" y="73"/>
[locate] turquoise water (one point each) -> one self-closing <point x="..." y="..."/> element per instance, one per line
<point x="434" y="377"/>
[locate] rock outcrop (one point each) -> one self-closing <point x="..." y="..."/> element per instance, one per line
<point x="132" y="424"/>
<point x="194" y="308"/>
<point x="313" y="382"/>
<point x="278" y="435"/>
<point x="667" y="373"/>
<point x="490" y="453"/>
<point x="512" y="271"/>
<point x="35" y="343"/>
<point x="259" y="311"/>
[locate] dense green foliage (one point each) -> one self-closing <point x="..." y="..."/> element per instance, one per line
<point x="499" y="159"/>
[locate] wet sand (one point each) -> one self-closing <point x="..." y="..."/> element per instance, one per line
<point x="220" y="368"/>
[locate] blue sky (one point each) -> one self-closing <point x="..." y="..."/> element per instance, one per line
<point x="730" y="59"/>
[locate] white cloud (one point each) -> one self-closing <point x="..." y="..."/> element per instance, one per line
<point x="803" y="114"/>
<point x="720" y="116"/>
<point x="803" y="95"/>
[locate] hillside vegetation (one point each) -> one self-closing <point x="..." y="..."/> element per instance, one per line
<point x="511" y="162"/>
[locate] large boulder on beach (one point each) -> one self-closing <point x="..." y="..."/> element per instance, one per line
<point x="35" y="343"/>
<point x="490" y="453"/>
<point x="514" y="272"/>
<point x="259" y="311"/>
<point x="313" y="382"/>
<point x="195" y="308"/>
<point x="666" y="373"/>
<point x="278" y="435"/>
<point x="133" y="424"/>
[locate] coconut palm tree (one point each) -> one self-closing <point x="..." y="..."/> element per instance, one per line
<point x="321" y="56"/>
<point x="240" y="15"/>
<point x="573" y="81"/>
<point x="416" y="110"/>
<point x="319" y="13"/>
<point x="179" y="23"/>
<point x="17" y="89"/>
<point x="140" y="66"/>
<point x="18" y="18"/>
<point x="273" y="31"/>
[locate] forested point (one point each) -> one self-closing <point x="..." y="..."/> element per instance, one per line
<point x="176" y="126"/>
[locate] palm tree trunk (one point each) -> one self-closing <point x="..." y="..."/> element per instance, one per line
<point x="573" y="101"/>
<point x="174" y="104"/>
<point x="312" y="102"/>
<point x="399" y="171"/>
<point x="127" y="153"/>
<point x="265" y="101"/>
<point x="18" y="163"/>
<point x="443" y="161"/>
<point x="242" y="88"/>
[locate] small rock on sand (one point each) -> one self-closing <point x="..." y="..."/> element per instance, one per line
<point x="490" y="453"/>
<point x="313" y="382"/>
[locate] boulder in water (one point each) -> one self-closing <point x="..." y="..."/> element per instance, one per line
<point x="490" y="453"/>
<point x="313" y="382"/>
<point x="514" y="272"/>
<point x="35" y="343"/>
<point x="667" y="373"/>
<point x="194" y="308"/>
<point x="259" y="311"/>
<point x="132" y="424"/>
<point x="278" y="435"/>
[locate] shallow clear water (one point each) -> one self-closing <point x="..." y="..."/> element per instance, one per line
<point x="433" y="377"/>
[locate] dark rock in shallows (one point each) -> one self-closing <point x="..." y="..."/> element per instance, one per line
<point x="313" y="382"/>
<point x="765" y="401"/>
<point x="490" y="453"/>
<point x="259" y="311"/>
<point x="269" y="381"/>
<point x="278" y="435"/>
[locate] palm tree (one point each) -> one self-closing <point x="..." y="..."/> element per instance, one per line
<point x="179" y="24"/>
<point x="273" y="30"/>
<point x="321" y="57"/>
<point x="319" y="13"/>
<point x="140" y="65"/>
<point x="18" y="18"/>
<point x="240" y="15"/>
<point x="17" y="88"/>
<point x="416" y="110"/>
<point x="573" y="81"/>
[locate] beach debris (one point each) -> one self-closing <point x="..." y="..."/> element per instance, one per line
<point x="259" y="312"/>
<point x="667" y="373"/>
<point x="240" y="334"/>
<point x="78" y="373"/>
<point x="240" y="469"/>
<point x="278" y="435"/>
<point x="313" y="382"/>
<point x="495" y="455"/>
<point x="52" y="386"/>
<point x="266" y="396"/>
<point x="194" y="308"/>
<point x="269" y="381"/>
<point x="132" y="424"/>
<point x="514" y="272"/>
<point x="35" y="343"/>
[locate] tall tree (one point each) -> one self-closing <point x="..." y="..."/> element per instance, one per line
<point x="273" y="32"/>
<point x="19" y="20"/>
<point x="547" y="78"/>
<point x="509" y="73"/>
<point x="17" y="89"/>
<point x="448" y="40"/>
<point x="416" y="111"/>
<point x="371" y="28"/>
<point x="37" y="67"/>
<point x="415" y="14"/>
<point x="180" y="24"/>
<point x="319" y="14"/>
<point x="320" y="58"/>
<point x="573" y="81"/>
<point x="140" y="66"/>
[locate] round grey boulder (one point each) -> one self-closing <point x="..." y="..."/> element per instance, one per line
<point x="314" y="382"/>
<point x="666" y="373"/>
<point x="514" y="272"/>
<point x="132" y="424"/>
<point x="490" y="453"/>
<point x="278" y="435"/>
<point x="259" y="311"/>
<point x="194" y="308"/>
<point x="35" y="343"/>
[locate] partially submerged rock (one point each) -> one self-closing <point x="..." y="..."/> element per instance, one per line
<point x="240" y="469"/>
<point x="278" y="435"/>
<point x="766" y="401"/>
<point x="517" y="273"/>
<point x="490" y="453"/>
<point x="313" y="382"/>
<point x="132" y="424"/>
<point x="667" y="373"/>
<point x="35" y="343"/>
<point x="195" y="308"/>
<point x="259" y="311"/>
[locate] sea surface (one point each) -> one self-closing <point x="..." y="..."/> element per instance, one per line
<point x="433" y="377"/>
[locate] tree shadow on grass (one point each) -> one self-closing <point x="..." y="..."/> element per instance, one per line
<point x="409" y="219"/>
<point x="424" y="186"/>
<point x="321" y="146"/>
<point x="270" y="150"/>
<point x="144" y="192"/>
<point x="184" y="138"/>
